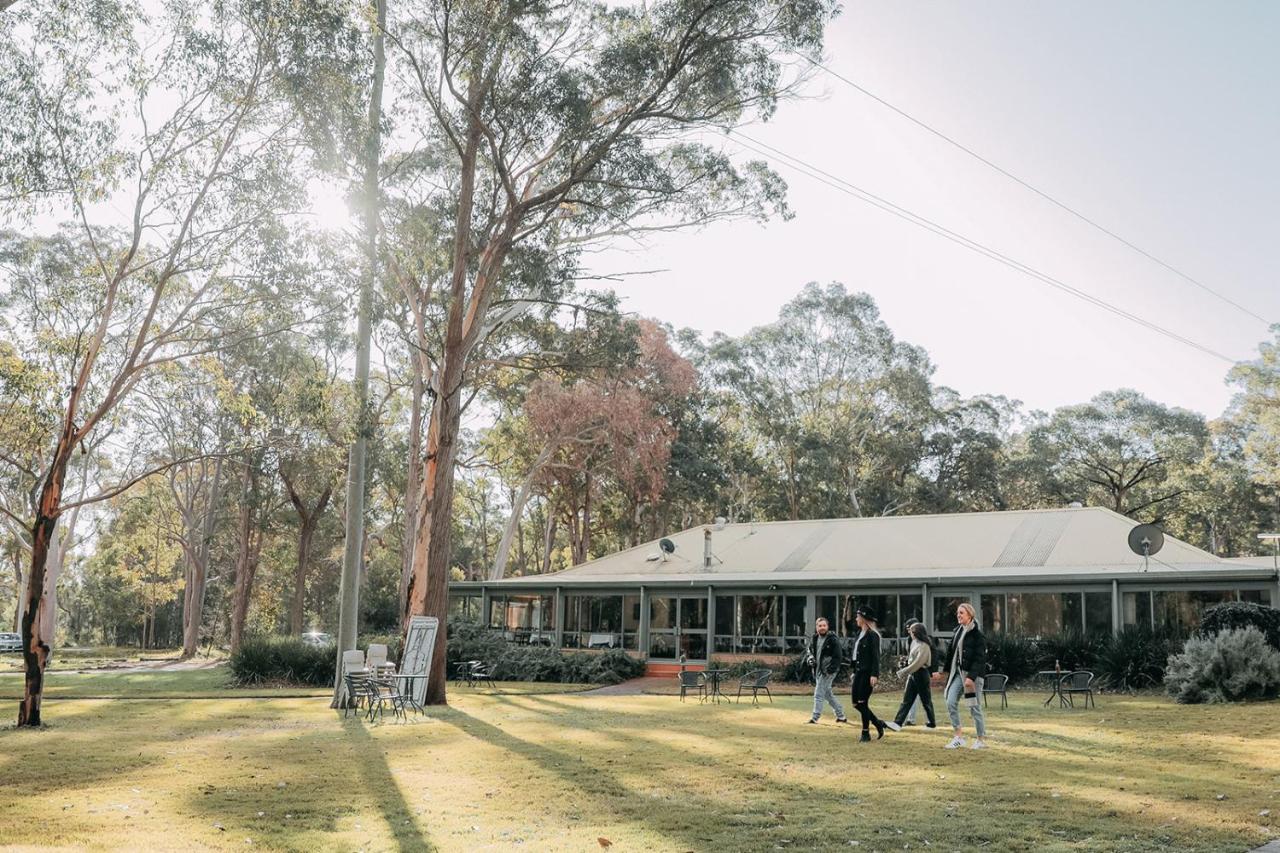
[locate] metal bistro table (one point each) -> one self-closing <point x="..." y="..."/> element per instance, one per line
<point x="1056" y="678"/>
<point x="406" y="690"/>
<point x="714" y="677"/>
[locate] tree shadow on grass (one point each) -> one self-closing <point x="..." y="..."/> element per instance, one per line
<point x="378" y="776"/>
<point x="1082" y="767"/>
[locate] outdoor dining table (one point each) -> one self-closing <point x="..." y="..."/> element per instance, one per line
<point x="1055" y="678"/>
<point x="714" y="677"/>
<point x="406" y="691"/>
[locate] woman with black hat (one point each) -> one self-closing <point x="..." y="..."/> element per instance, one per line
<point x="866" y="672"/>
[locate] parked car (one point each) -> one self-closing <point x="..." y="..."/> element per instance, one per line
<point x="317" y="638"/>
<point x="10" y="642"/>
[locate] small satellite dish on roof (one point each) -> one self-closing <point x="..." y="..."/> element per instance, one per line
<point x="1145" y="540"/>
<point x="667" y="546"/>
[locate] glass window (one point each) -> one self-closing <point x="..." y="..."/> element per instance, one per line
<point x="1097" y="613"/>
<point x="693" y="614"/>
<point x="724" y="623"/>
<point x="1136" y="608"/>
<point x="993" y="609"/>
<point x="592" y="620"/>
<point x="1257" y="596"/>
<point x="662" y="612"/>
<point x="631" y="622"/>
<point x="464" y="608"/>
<point x="1180" y="609"/>
<point x="884" y="606"/>
<point x="910" y="607"/>
<point x="944" y="612"/>
<point x="827" y="606"/>
<point x="759" y="624"/>
<point x="795" y="623"/>
<point x="1043" y="614"/>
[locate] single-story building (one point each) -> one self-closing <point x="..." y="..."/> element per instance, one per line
<point x="755" y="589"/>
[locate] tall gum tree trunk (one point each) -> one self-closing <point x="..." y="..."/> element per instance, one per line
<point x="35" y="649"/>
<point x="193" y="600"/>
<point x="244" y="559"/>
<point x="353" y="553"/>
<point x="413" y="485"/>
<point x="428" y="592"/>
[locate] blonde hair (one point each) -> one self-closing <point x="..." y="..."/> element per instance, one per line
<point x="968" y="608"/>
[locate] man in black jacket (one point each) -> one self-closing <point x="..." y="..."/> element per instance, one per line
<point x="825" y="656"/>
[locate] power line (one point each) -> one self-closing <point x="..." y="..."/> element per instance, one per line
<point x="861" y="194"/>
<point x="1044" y="195"/>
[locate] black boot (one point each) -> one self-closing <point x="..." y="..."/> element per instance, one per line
<point x="866" y="738"/>
<point x="879" y="729"/>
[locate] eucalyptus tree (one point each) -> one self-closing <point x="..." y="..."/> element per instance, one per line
<point x="171" y="118"/>
<point x="1257" y="408"/>
<point x="834" y="407"/>
<point x="1119" y="450"/>
<point x="562" y="123"/>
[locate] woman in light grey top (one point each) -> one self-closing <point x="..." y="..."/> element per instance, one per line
<point x="916" y="673"/>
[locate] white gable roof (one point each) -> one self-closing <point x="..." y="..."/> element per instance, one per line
<point x="1084" y="542"/>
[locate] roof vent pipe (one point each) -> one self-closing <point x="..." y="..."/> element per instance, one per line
<point x="706" y="547"/>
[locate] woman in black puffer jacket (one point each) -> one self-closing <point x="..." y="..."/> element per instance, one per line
<point x="866" y="672"/>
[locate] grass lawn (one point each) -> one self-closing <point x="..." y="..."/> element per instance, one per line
<point x="204" y="684"/>
<point x="557" y="772"/>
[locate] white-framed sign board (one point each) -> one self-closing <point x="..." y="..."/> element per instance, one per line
<point x="419" y="645"/>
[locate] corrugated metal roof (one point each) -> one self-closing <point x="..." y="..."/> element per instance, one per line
<point x="1090" y="542"/>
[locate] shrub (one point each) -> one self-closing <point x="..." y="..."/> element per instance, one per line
<point x="796" y="670"/>
<point x="610" y="667"/>
<point x="1071" y="650"/>
<point x="1241" y="614"/>
<point x="473" y="641"/>
<point x="1136" y="658"/>
<point x="737" y="669"/>
<point x="1012" y="655"/>
<point x="283" y="660"/>
<point x="1231" y="666"/>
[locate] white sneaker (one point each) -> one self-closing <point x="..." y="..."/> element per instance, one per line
<point x="956" y="742"/>
<point x="979" y="744"/>
<point x="892" y="726"/>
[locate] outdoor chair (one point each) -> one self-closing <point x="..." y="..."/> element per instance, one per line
<point x="353" y="664"/>
<point x="998" y="684"/>
<point x="359" y="692"/>
<point x="352" y="661"/>
<point x="462" y="670"/>
<point x="755" y="681"/>
<point x="377" y="657"/>
<point x="1076" y="683"/>
<point x="383" y="692"/>
<point x="480" y="673"/>
<point x="693" y="681"/>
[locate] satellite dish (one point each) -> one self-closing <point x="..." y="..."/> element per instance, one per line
<point x="1145" y="540"/>
<point x="667" y="546"/>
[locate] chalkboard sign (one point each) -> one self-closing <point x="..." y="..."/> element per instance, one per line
<point x="419" y="646"/>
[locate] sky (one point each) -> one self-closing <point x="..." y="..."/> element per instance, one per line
<point x="1157" y="120"/>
